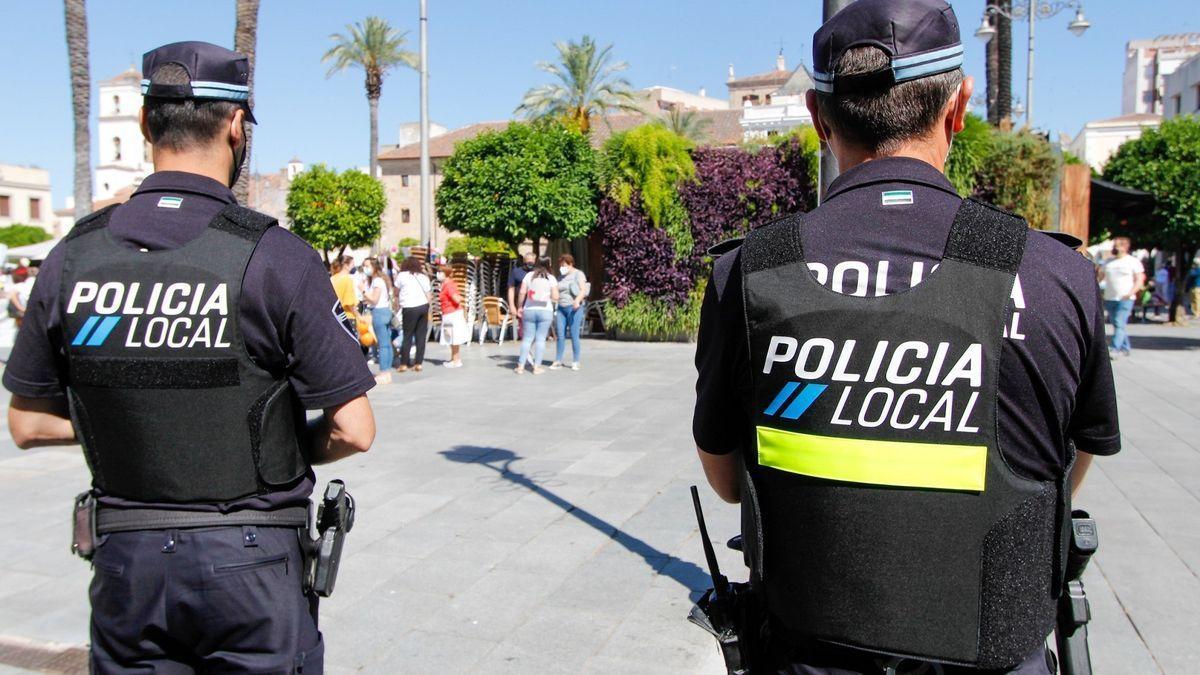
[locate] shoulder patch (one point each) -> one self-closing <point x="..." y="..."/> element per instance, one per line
<point x="92" y="221"/>
<point x="243" y="222"/>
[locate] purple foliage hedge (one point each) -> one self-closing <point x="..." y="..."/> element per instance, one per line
<point x="735" y="190"/>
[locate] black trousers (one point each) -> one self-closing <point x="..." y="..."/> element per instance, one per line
<point x="416" y="329"/>
<point x="222" y="599"/>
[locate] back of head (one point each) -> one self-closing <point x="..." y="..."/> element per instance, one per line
<point x="412" y="265"/>
<point x="183" y="124"/>
<point x="881" y="119"/>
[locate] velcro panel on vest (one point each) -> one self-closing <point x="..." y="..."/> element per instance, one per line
<point x="987" y="236"/>
<point x="773" y="245"/>
<point x="92" y="222"/>
<point x="242" y="222"/>
<point x="162" y="373"/>
<point x="1017" y="568"/>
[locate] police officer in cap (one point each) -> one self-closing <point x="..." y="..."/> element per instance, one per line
<point x="179" y="338"/>
<point x="902" y="388"/>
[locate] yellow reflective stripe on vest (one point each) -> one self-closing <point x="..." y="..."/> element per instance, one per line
<point x="918" y="465"/>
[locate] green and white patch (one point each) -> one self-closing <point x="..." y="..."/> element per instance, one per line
<point x="897" y="197"/>
<point x="170" y="202"/>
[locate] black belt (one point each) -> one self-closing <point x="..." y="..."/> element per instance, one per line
<point x="110" y="520"/>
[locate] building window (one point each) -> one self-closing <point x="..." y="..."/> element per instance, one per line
<point x="35" y="208"/>
<point x="752" y="99"/>
<point x="1197" y="92"/>
<point x="4" y="213"/>
<point x="116" y="105"/>
<point x="1177" y="103"/>
<point x="405" y="215"/>
<point x="116" y="149"/>
<point x="404" y="180"/>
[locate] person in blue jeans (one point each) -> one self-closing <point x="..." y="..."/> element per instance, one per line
<point x="1124" y="277"/>
<point x="573" y="289"/>
<point x="539" y="293"/>
<point x="378" y="299"/>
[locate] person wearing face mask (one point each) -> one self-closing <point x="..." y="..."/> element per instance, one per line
<point x="515" y="276"/>
<point x="190" y="336"/>
<point x="573" y="289"/>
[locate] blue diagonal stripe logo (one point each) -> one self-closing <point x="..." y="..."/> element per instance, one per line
<point x="800" y="404"/>
<point x="106" y="326"/>
<point x="83" y="332"/>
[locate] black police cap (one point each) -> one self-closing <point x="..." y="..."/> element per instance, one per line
<point x="919" y="36"/>
<point x="216" y="73"/>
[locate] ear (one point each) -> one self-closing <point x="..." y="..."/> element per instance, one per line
<point x="237" y="130"/>
<point x="962" y="103"/>
<point x="144" y="126"/>
<point x="814" y="111"/>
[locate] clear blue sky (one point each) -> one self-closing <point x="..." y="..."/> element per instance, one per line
<point x="481" y="61"/>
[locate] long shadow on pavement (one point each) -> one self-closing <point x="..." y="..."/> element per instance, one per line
<point x="501" y="460"/>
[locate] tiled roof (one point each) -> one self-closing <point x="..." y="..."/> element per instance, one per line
<point x="777" y="77"/>
<point x="723" y="129"/>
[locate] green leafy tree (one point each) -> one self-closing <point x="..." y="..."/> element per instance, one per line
<point x="972" y="148"/>
<point x="651" y="161"/>
<point x="1018" y="175"/>
<point x="376" y="47"/>
<point x="526" y="182"/>
<point x="335" y="211"/>
<point x="23" y="235"/>
<point x="588" y="85"/>
<point x="1166" y="163"/>
<point x="687" y="123"/>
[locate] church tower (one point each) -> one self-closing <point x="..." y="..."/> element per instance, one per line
<point x="124" y="156"/>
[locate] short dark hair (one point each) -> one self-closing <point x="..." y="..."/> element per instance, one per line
<point x="180" y="124"/>
<point x="413" y="265"/>
<point x="881" y="120"/>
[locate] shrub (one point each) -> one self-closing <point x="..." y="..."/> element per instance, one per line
<point x="971" y="149"/>
<point x="17" y="234"/>
<point x="478" y="247"/>
<point x="647" y="318"/>
<point x="335" y="211"/>
<point x="640" y="258"/>
<point x="1018" y="175"/>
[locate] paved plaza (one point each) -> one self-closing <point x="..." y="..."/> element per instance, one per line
<point x="542" y="524"/>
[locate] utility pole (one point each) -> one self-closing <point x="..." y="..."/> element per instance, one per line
<point x="829" y="167"/>
<point x="426" y="184"/>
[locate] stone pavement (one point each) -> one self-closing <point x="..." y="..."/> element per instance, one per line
<point x="543" y="524"/>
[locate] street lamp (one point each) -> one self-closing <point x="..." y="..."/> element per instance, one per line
<point x="1032" y="10"/>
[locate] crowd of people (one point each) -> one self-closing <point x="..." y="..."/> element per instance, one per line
<point x="1127" y="287"/>
<point x="387" y="307"/>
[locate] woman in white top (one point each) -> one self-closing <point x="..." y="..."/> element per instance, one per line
<point x="377" y="299"/>
<point x="539" y="291"/>
<point x="415" y="294"/>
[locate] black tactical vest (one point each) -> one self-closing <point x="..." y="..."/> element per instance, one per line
<point x="165" y="399"/>
<point x="881" y="514"/>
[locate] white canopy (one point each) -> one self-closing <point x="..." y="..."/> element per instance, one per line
<point x="32" y="251"/>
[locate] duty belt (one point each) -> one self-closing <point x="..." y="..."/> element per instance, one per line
<point x="110" y="520"/>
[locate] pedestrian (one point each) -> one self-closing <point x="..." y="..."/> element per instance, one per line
<point x="539" y="291"/>
<point x="515" y="276"/>
<point x="343" y="285"/>
<point x="455" y="332"/>
<point x="903" y="492"/>
<point x="1124" y="278"/>
<point x="188" y="373"/>
<point x="375" y="295"/>
<point x="573" y="290"/>
<point x="18" y="295"/>
<point x="1193" y="287"/>
<point x="415" y="294"/>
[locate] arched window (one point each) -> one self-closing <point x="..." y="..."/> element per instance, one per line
<point x="116" y="149"/>
<point x="116" y="105"/>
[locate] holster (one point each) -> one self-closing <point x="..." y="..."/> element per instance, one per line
<point x="736" y="620"/>
<point x="83" y="525"/>
<point x="323" y="555"/>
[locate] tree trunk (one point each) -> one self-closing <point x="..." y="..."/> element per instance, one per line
<point x="991" y="74"/>
<point x="1003" y="42"/>
<point x="373" y="104"/>
<point x="81" y="98"/>
<point x="245" y="41"/>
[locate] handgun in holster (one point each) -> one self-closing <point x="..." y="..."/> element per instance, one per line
<point x="335" y="518"/>
<point x="83" y="526"/>
<point x="1074" y="612"/>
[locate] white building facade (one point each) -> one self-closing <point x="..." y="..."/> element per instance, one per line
<point x="1181" y="89"/>
<point x="1098" y="140"/>
<point x="785" y="110"/>
<point x="25" y="198"/>
<point x="124" y="155"/>
<point x="1147" y="65"/>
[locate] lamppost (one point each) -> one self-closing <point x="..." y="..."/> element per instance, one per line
<point x="1033" y="10"/>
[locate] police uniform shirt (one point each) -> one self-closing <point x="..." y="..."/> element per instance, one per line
<point x="883" y="228"/>
<point x="286" y="313"/>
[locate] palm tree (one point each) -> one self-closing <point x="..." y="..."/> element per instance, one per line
<point x="588" y="85"/>
<point x="245" y="41"/>
<point x="687" y="123"/>
<point x="81" y="91"/>
<point x="376" y="47"/>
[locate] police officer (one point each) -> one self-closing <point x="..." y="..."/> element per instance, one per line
<point x="902" y="387"/>
<point x="179" y="338"/>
